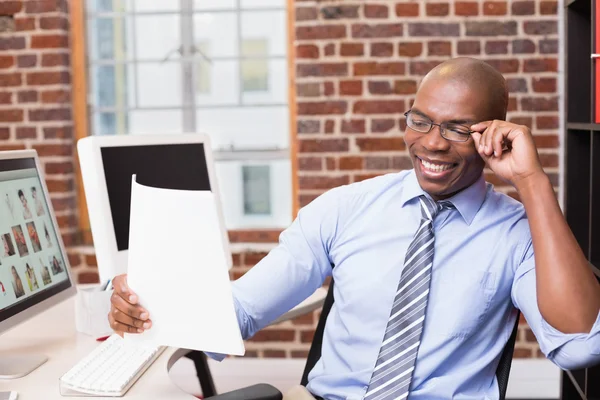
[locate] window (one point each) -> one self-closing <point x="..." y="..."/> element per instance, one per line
<point x="255" y="72"/>
<point x="257" y="189"/>
<point x="203" y="70"/>
<point x="213" y="66"/>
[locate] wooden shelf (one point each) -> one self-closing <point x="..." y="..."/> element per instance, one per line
<point x="583" y="126"/>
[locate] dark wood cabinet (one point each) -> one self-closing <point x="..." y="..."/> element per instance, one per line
<point x="582" y="158"/>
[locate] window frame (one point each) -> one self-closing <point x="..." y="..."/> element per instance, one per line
<point x="82" y="112"/>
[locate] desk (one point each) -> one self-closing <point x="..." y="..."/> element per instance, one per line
<point x="53" y="334"/>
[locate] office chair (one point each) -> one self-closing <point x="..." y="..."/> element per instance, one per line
<point x="265" y="391"/>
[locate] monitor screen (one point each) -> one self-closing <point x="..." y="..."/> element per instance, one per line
<point x="32" y="266"/>
<point x="173" y="166"/>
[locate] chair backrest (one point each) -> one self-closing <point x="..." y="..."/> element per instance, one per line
<point x="314" y="354"/>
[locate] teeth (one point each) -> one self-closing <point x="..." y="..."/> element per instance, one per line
<point x="436" y="167"/>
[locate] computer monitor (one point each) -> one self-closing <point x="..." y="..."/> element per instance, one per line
<point x="172" y="161"/>
<point x="34" y="269"/>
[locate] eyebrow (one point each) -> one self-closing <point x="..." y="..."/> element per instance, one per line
<point x="453" y="121"/>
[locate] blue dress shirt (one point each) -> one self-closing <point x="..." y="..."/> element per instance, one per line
<point x="483" y="268"/>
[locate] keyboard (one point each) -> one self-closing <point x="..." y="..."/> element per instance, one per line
<point x="110" y="369"/>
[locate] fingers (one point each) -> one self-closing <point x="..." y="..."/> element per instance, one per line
<point x="489" y="137"/>
<point x="122" y="289"/>
<point x="121" y="327"/>
<point x="121" y="317"/>
<point x="133" y="310"/>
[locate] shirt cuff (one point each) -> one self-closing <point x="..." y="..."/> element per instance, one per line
<point x="556" y="338"/>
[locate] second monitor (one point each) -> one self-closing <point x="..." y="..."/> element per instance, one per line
<point x="176" y="161"/>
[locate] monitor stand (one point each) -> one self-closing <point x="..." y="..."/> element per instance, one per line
<point x="16" y="366"/>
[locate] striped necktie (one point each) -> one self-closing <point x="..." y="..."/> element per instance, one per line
<point x="396" y="361"/>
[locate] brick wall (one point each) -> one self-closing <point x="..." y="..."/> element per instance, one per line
<point x="357" y="68"/>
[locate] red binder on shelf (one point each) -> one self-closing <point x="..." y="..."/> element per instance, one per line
<point x="597" y="62"/>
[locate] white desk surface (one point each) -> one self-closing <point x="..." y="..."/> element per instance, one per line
<point x="53" y="334"/>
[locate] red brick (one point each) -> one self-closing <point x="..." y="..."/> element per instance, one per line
<point x="377" y="163"/>
<point x="422" y="67"/>
<point x="236" y="259"/>
<point x="364" y="177"/>
<point x="381" y="144"/>
<point x="379" y="68"/>
<point x="254" y="236"/>
<point x="540" y="27"/>
<point x="306" y="319"/>
<point x="26" y="132"/>
<point x="547" y="122"/>
<point x="549" y="160"/>
<point x="352" y="49"/>
<point x="516" y="85"/>
<point x="74" y="260"/>
<point x="382" y="49"/>
<point x="548" y="46"/>
<point x="12" y="43"/>
<point x="433" y="29"/>
<point x="252" y="258"/>
<point x="45" y="6"/>
<point x="27" y="60"/>
<point x="496" y="47"/>
<point x="407" y="9"/>
<point x="549" y="7"/>
<point x="512" y="104"/>
<point x="541" y="65"/>
<point x="27" y="96"/>
<point x="306" y="13"/>
<point x="322" y="182"/>
<point x="320" y="32"/>
<point x="544" y="85"/>
<point x="495" y="8"/>
<point x="353" y="126"/>
<point x="546" y="141"/>
<point x="331" y="163"/>
<point x="307" y="336"/>
<point x="6" y="97"/>
<point x="11" y="115"/>
<point x="382" y="125"/>
<point x="468" y="47"/>
<point x="10" y="79"/>
<point x="539" y="103"/>
<point x="64" y="203"/>
<point x="340" y="12"/>
<point x="505" y="66"/>
<point x="54" y="150"/>
<point x="527" y="121"/>
<point x="375" y="10"/>
<point x="328" y="88"/>
<point x="378" y="106"/>
<point x="50" y="114"/>
<point x="329" y="126"/>
<point x="310" y="163"/>
<point x="491" y="28"/>
<point x="410" y="49"/>
<point x="322" y="145"/>
<point x="437" y="9"/>
<point x="88" y="277"/>
<point x="267" y="353"/>
<point x="380" y="87"/>
<point x="466" y="8"/>
<point x="439" y="48"/>
<point x="329" y="49"/>
<point x="48" y="78"/>
<point x="49" y="41"/>
<point x="376" y="31"/>
<point x="352" y="88"/>
<point x="8" y="7"/>
<point x="59" y="168"/>
<point x="523" y="7"/>
<point x="322" y="69"/>
<point x="4" y="133"/>
<point x="312" y="89"/>
<point x="351" y="163"/>
<point x="60" y="185"/>
<point x="307" y="51"/>
<point x="523" y="46"/>
<point x="49" y="23"/>
<point x="6" y="61"/>
<point x="400" y="163"/>
<point x="25" y="24"/>
<point x="322" y="107"/>
<point x="56" y="96"/>
<point x="55" y="59"/>
<point x="60" y="132"/>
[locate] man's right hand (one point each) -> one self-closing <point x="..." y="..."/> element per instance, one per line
<point x="126" y="315"/>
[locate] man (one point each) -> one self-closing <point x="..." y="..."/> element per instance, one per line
<point x="420" y="315"/>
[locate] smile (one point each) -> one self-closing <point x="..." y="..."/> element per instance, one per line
<point x="436" y="169"/>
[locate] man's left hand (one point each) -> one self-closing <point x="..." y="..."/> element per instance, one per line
<point x="508" y="149"/>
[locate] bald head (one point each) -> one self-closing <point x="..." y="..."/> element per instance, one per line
<point x="478" y="76"/>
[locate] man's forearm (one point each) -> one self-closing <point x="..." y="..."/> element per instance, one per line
<point x="567" y="292"/>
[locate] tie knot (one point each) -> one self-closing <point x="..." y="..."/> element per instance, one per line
<point x="430" y="208"/>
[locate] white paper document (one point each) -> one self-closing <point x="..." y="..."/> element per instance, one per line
<point x="178" y="268"/>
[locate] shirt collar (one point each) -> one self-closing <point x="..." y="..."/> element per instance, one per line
<point x="467" y="201"/>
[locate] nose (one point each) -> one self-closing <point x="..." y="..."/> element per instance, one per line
<point x="434" y="140"/>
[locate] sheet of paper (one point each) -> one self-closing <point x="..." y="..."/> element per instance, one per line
<point x="177" y="267"/>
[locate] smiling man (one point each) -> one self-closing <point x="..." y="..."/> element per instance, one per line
<point x="429" y="264"/>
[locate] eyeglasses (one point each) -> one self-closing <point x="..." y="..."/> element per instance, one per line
<point x="448" y="130"/>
